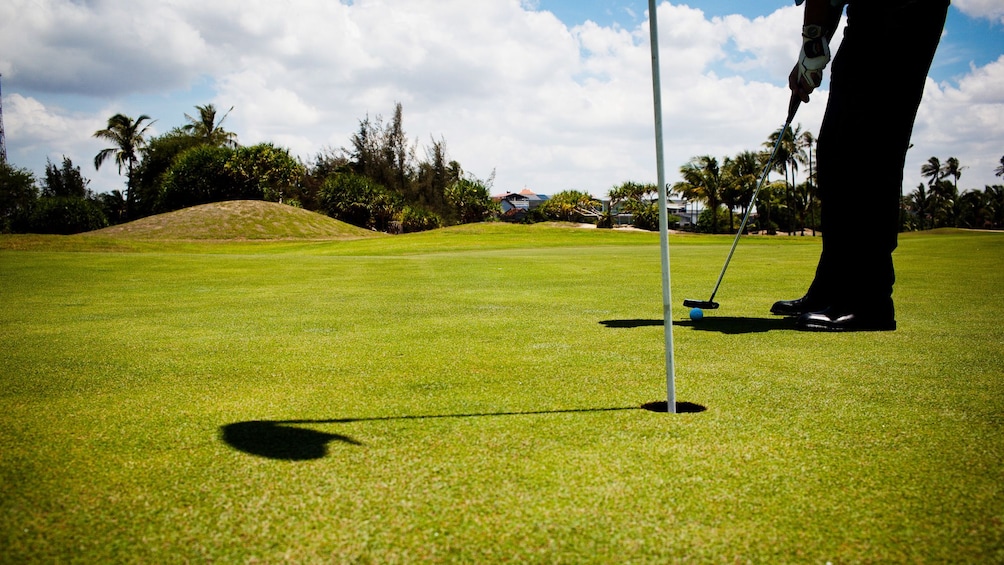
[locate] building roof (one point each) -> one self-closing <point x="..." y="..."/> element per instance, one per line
<point x="525" y="194"/>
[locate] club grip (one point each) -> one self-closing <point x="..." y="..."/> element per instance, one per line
<point x="793" y="107"/>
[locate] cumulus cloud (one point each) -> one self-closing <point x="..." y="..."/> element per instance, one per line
<point x="990" y="9"/>
<point x="509" y="87"/>
<point x="32" y="124"/>
<point x="964" y="121"/>
<point x="99" y="49"/>
<point x="42" y="132"/>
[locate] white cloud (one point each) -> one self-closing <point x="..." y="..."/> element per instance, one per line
<point x="964" y="121"/>
<point x="52" y="133"/>
<point x="509" y="87"/>
<point x="34" y="125"/>
<point x="99" y="49"/>
<point x="989" y="9"/>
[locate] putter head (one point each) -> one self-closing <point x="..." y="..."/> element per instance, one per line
<point x="702" y="304"/>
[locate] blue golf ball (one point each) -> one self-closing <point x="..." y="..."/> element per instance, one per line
<point x="696" y="314"/>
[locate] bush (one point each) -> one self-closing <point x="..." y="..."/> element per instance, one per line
<point x="762" y="224"/>
<point x="18" y="195"/>
<point x="66" y="215"/>
<point x="198" y="176"/>
<point x="414" y="219"/>
<point x="534" y="216"/>
<point x="646" y="217"/>
<point x="358" y="200"/>
<point x="470" y="200"/>
<point x="704" y="220"/>
<point x="159" y="156"/>
<point x="265" y="172"/>
<point x="206" y="174"/>
<point x="570" y="206"/>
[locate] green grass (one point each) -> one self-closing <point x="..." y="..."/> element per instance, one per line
<point x="473" y="394"/>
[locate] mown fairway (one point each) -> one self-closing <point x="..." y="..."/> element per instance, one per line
<point x="474" y="395"/>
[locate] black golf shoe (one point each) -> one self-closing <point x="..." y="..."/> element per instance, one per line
<point x="798" y="307"/>
<point x="835" y="319"/>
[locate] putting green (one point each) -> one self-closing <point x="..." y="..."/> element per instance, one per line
<point x="474" y="394"/>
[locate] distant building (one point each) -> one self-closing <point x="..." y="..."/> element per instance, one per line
<point x="515" y="205"/>
<point x="686" y="210"/>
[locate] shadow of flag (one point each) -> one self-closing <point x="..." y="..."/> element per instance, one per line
<point x="720" y="324"/>
<point x="283" y="440"/>
<point x="276" y="440"/>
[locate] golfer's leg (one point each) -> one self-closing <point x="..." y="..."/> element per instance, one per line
<point x="877" y="81"/>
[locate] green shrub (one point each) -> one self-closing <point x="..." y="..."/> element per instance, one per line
<point x="358" y="200"/>
<point x="66" y="215"/>
<point x="704" y="220"/>
<point x="471" y="201"/>
<point x="206" y="174"/>
<point x="18" y="194"/>
<point x="198" y="176"/>
<point x="159" y="156"/>
<point x="263" y="172"/>
<point x="415" y="219"/>
<point x="646" y="217"/>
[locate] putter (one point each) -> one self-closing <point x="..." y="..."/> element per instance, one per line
<point x="710" y="303"/>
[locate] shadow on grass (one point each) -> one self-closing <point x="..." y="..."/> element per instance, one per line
<point x="681" y="407"/>
<point x="280" y="439"/>
<point x="631" y="323"/>
<point x="721" y="324"/>
<point x="275" y="440"/>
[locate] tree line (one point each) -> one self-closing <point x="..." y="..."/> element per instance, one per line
<point x="726" y="188"/>
<point x="379" y="182"/>
<point x="939" y="203"/>
<point x="63" y="204"/>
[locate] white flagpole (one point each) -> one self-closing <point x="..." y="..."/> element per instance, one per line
<point x="667" y="296"/>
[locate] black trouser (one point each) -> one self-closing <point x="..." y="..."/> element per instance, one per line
<point x="876" y="83"/>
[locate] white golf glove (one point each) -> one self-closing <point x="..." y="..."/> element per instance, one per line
<point x="813" y="57"/>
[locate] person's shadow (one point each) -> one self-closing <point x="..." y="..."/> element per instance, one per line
<point x="721" y="324"/>
<point x="284" y="440"/>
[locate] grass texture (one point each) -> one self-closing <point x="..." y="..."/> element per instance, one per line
<point x="474" y="395"/>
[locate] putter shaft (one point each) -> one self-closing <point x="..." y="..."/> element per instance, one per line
<point x="792" y="108"/>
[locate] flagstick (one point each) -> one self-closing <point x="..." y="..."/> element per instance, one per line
<point x="667" y="297"/>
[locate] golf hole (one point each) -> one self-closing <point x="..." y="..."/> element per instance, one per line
<point x="681" y="407"/>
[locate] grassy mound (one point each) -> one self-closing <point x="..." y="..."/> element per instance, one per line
<point x="237" y="220"/>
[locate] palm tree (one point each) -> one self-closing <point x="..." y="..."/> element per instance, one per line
<point x="945" y="204"/>
<point x="999" y="171"/>
<point x="931" y="170"/>
<point x="769" y="200"/>
<point x="995" y="202"/>
<point x="114" y="206"/>
<point x="920" y="204"/>
<point x="637" y="199"/>
<point x="129" y="138"/>
<point x="789" y="154"/>
<point x="974" y="211"/>
<point x="781" y="160"/>
<point x="702" y="180"/>
<point x="808" y="141"/>
<point x="206" y="128"/>
<point x="802" y="200"/>
<point x="951" y="168"/>
<point x="739" y="179"/>
<point x="631" y="193"/>
<point x="570" y="205"/>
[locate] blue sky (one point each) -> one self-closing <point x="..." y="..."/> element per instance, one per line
<point x="967" y="39"/>
<point x="523" y="87"/>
